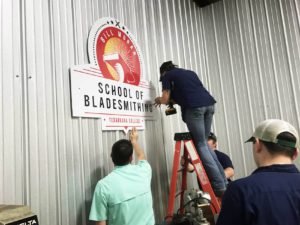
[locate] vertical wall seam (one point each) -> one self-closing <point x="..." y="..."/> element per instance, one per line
<point x="25" y="125"/>
<point x="297" y="6"/>
<point x="169" y="30"/>
<point x="204" y="47"/>
<point x="2" y="108"/>
<point x="55" y="112"/>
<point x="13" y="97"/>
<point x="34" y="80"/>
<point x="182" y="36"/>
<point x="197" y="31"/>
<point x="158" y="83"/>
<point x="234" y="87"/>
<point x="188" y="43"/>
<point x="193" y="45"/>
<point x="176" y="29"/>
<point x="296" y="106"/>
<point x="162" y="124"/>
<point x="273" y="60"/>
<point x="220" y="76"/>
<point x="76" y="60"/>
<point x="245" y="68"/>
<point x="81" y="123"/>
<point x="257" y="58"/>
<point x="145" y="31"/>
<point x="162" y="30"/>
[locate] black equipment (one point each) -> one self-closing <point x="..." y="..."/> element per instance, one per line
<point x="203" y="3"/>
<point x="17" y="215"/>
<point x="170" y="110"/>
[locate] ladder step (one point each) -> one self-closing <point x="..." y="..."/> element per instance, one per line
<point x="182" y="136"/>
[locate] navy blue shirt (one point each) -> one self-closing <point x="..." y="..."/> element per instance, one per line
<point x="186" y="89"/>
<point x="224" y="160"/>
<point x="270" y="196"/>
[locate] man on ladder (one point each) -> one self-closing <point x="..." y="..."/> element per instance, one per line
<point x="197" y="108"/>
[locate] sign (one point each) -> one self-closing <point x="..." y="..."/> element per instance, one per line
<point x="112" y="86"/>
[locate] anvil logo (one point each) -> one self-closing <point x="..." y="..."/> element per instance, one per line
<point x="113" y="49"/>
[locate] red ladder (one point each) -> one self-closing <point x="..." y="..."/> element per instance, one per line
<point x="189" y="150"/>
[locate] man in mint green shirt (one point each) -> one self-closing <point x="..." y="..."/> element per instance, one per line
<point x="124" y="196"/>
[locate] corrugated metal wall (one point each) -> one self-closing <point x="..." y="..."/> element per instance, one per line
<point x="247" y="52"/>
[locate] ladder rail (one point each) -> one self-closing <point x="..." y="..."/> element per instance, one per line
<point x="171" y="201"/>
<point x="183" y="182"/>
<point x="202" y="176"/>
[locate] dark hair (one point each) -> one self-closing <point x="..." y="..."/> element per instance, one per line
<point x="276" y="148"/>
<point x="121" y="152"/>
<point x="165" y="67"/>
<point x="212" y="136"/>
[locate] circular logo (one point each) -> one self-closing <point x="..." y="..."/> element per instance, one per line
<point x="113" y="49"/>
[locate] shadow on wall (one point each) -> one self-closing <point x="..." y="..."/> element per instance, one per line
<point x="83" y="214"/>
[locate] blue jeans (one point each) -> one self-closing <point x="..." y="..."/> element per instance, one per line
<point x="198" y="121"/>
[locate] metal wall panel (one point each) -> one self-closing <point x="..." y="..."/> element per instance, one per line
<point x="246" y="52"/>
<point x="11" y="118"/>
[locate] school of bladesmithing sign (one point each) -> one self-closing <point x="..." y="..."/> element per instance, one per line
<point x="112" y="87"/>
